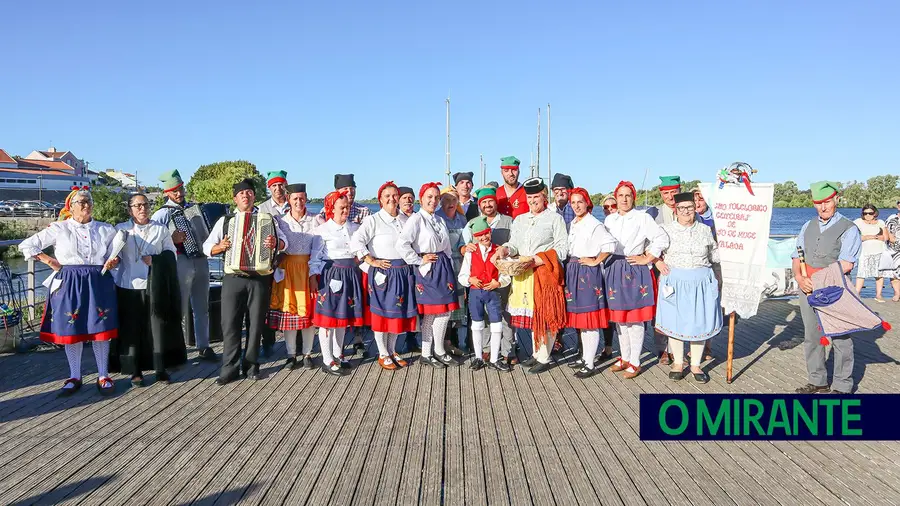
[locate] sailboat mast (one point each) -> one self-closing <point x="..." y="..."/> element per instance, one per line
<point x="537" y="163"/>
<point x="447" y="146"/>
<point x="483" y="182"/>
<point x="549" y="162"/>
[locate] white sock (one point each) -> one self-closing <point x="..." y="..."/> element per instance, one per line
<point x="308" y="335"/>
<point x="624" y="341"/>
<point x="338" y="343"/>
<point x="637" y="345"/>
<point x="496" y="336"/>
<point x="73" y="354"/>
<point x="101" y="356"/>
<point x="380" y="341"/>
<point x="439" y="329"/>
<point x="391" y="343"/>
<point x="290" y="342"/>
<point x="325" y="342"/>
<point x="590" y="339"/>
<point x="428" y="334"/>
<point x="478" y="338"/>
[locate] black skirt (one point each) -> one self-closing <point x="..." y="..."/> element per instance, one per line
<point x="146" y="341"/>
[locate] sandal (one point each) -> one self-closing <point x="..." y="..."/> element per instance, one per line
<point x="106" y="386"/>
<point x="621" y="365"/>
<point x="66" y="390"/>
<point x="634" y="374"/>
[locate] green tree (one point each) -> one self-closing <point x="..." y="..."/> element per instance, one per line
<point x="213" y="182"/>
<point x="109" y="206"/>
<point x="882" y="190"/>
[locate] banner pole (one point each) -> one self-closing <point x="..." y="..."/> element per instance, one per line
<point x="730" y="347"/>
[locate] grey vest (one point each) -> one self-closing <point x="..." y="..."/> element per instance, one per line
<point x="823" y="248"/>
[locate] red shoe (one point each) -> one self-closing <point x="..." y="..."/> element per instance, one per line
<point x="387" y="363"/>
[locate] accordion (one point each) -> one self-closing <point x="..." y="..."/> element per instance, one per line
<point x="247" y="254"/>
<point x="196" y="222"/>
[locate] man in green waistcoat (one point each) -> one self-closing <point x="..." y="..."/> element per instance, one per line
<point x="824" y="240"/>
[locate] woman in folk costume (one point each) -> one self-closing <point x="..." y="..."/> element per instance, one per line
<point x="480" y="275"/>
<point x="294" y="292"/>
<point x="536" y="301"/>
<point x="339" y="303"/>
<point x="589" y="245"/>
<point x="389" y="280"/>
<point x="892" y="225"/>
<point x="425" y="245"/>
<point x="148" y="298"/>
<point x="629" y="283"/>
<point x="455" y="219"/>
<point x="82" y="302"/>
<point x="688" y="308"/>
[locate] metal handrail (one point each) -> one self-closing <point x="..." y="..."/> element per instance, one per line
<point x="30" y="275"/>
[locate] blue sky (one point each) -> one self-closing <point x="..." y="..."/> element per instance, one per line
<point x="801" y="90"/>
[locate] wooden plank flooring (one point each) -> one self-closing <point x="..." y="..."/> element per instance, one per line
<point x="424" y="436"/>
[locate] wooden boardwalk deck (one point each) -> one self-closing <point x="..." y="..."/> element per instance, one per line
<point x="424" y="436"/>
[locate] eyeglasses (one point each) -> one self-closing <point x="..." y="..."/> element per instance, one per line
<point x="83" y="203"/>
<point x="685" y="209"/>
<point x="140" y="206"/>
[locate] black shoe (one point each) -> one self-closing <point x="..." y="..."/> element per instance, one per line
<point x="813" y="389"/>
<point x="585" y="373"/>
<point x="242" y="374"/>
<point x="137" y="381"/>
<point x="604" y="356"/>
<point x="345" y="364"/>
<point x="476" y="364"/>
<point x="501" y="366"/>
<point x="107" y="387"/>
<point x="307" y="362"/>
<point x="676" y="375"/>
<point x="453" y="350"/>
<point x="223" y="381"/>
<point x="163" y="377"/>
<point x="446" y="359"/>
<point x="577" y="364"/>
<point x="701" y="377"/>
<point x="253" y="377"/>
<point x="539" y="368"/>
<point x="207" y="354"/>
<point x="433" y="362"/>
<point x="334" y="369"/>
<point x="290" y="364"/>
<point x="530" y="362"/>
<point x="66" y="392"/>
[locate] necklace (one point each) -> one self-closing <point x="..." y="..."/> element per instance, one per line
<point x="141" y="246"/>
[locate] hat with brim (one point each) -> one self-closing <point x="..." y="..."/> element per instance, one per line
<point x="669" y="182"/>
<point x="510" y="162"/>
<point x="296" y="188"/>
<point x="244" y="184"/>
<point x="684" y="197"/>
<point x="344" y="181"/>
<point x="171" y="180"/>
<point x="404" y="190"/>
<point x="823" y="190"/>
<point x="463" y="176"/>
<point x="534" y="185"/>
<point x="562" y="181"/>
<point x="275" y="177"/>
<point x="480" y="227"/>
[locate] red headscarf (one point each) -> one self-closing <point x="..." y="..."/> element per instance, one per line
<point x="330" y="200"/>
<point x="585" y="195"/>
<point x="427" y="186"/>
<point x="627" y="184"/>
<point x="385" y="186"/>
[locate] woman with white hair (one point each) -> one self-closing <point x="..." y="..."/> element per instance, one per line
<point x="82" y="302"/>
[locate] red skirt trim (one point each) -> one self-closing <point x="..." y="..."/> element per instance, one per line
<point x="336" y="323"/>
<point x="588" y="321"/>
<point x="392" y="325"/>
<point x="49" y="337"/>
<point x="645" y="314"/>
<point x="438" y="308"/>
<point x="521" y="322"/>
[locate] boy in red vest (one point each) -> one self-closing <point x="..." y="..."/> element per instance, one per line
<point x="483" y="279"/>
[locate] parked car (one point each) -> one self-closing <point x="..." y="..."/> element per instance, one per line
<point x="34" y="208"/>
<point x="6" y="209"/>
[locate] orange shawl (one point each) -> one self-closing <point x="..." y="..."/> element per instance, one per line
<point x="549" y="301"/>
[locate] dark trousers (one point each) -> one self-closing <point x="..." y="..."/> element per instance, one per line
<point x="608" y="334"/>
<point x="243" y="295"/>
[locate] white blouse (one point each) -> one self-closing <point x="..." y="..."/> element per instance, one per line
<point x="423" y="233"/>
<point x="75" y="243"/>
<point x="636" y="232"/>
<point x="588" y="238"/>
<point x="150" y="239"/>
<point x="378" y="236"/>
<point x="690" y="247"/>
<point x="335" y="240"/>
<point x="301" y="239"/>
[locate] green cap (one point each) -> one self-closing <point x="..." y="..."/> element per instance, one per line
<point x="485" y="193"/>
<point x="276" y="176"/>
<point x="170" y="180"/>
<point x="480" y="226"/>
<point x="509" y="162"/>
<point x="669" y="182"/>
<point x="823" y="190"/>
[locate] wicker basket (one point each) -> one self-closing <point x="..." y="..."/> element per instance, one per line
<point x="513" y="266"/>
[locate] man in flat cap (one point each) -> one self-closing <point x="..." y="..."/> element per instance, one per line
<point x="346" y="183"/>
<point x="462" y="181"/>
<point x="511" y="199"/>
<point x="276" y="182"/>
<point x="560" y="187"/>
<point x="664" y="214"/>
<point x="241" y="294"/>
<point x="407" y="200"/>
<point x="536" y="300"/>
<point x="193" y="273"/>
<point x="824" y="240"/>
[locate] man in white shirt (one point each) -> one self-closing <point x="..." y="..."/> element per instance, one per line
<point x="276" y="182"/>
<point x="241" y="294"/>
<point x="193" y="273"/>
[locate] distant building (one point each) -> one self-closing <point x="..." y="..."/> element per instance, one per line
<point x="125" y="179"/>
<point x="52" y="154"/>
<point x="41" y="178"/>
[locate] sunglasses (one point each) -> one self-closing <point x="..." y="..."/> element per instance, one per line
<point x="868" y="213"/>
<point x="609" y="208"/>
